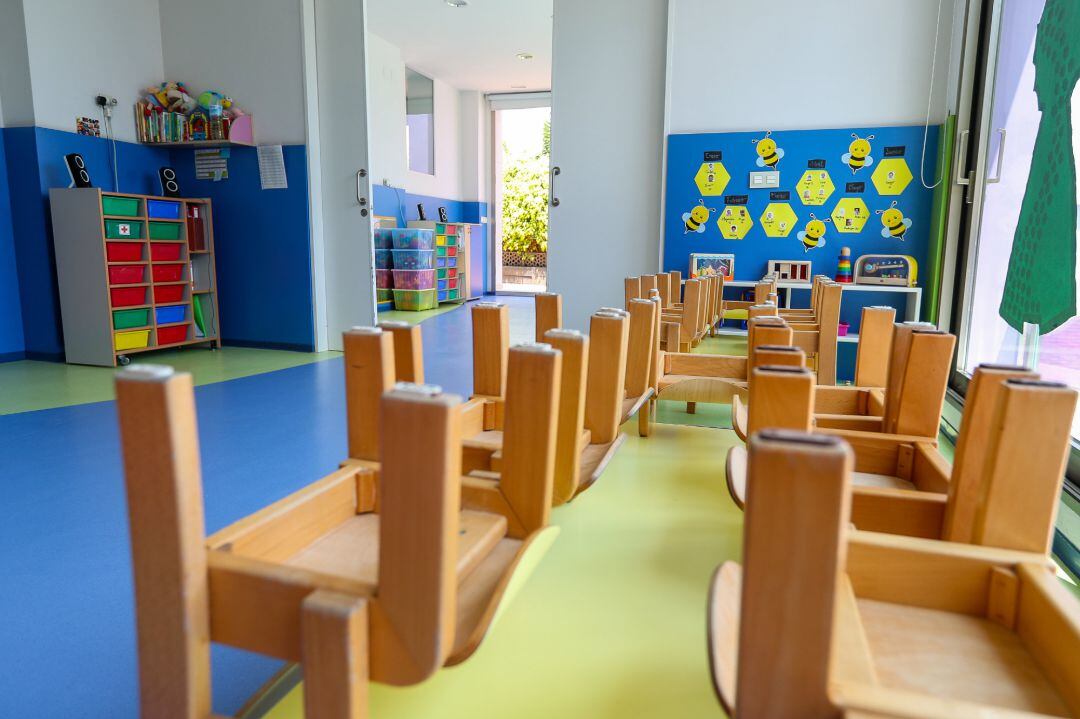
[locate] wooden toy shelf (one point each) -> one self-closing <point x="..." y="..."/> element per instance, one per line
<point x="136" y="273"/>
<point x="452" y="240"/>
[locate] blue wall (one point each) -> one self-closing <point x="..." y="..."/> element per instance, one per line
<point x="12" y="345"/>
<point x="400" y="204"/>
<point x="263" y="249"/>
<point x="263" y="239"/>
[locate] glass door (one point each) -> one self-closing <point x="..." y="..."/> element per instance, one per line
<point x="1020" y="274"/>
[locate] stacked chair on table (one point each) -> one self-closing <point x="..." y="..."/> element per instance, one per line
<point x="335" y="576"/>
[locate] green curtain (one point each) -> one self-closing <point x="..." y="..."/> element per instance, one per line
<point x="1040" y="287"/>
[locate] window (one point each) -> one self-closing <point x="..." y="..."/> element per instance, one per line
<point x="420" y="122"/>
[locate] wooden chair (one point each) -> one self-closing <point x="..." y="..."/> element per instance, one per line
<point x="689" y="317"/>
<point x="491" y="347"/>
<point x="663" y="286"/>
<point x="334" y="576"/>
<point x="631" y="290"/>
<point x="408" y="351"/>
<point x="822" y="621"/>
<point x="790" y="406"/>
<point x="1002" y="488"/>
<point x="548" y="313"/>
<point x="739" y="309"/>
<point x="640" y="361"/>
<point x="807" y="314"/>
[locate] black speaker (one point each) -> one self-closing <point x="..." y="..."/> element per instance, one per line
<point x="420" y="214"/>
<point x="76" y="166"/>
<point x="442" y="214"/>
<point x="170" y="187"/>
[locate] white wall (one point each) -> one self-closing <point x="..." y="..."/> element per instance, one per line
<point x="446" y="182"/>
<point x="77" y="50"/>
<point x="804" y="65"/>
<point x="607" y="112"/>
<point x="16" y="99"/>
<point x="386" y="112"/>
<point x="248" y="49"/>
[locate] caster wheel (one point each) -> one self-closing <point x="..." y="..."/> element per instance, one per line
<point x="124" y="360"/>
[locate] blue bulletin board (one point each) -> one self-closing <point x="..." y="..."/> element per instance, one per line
<point x="846" y="178"/>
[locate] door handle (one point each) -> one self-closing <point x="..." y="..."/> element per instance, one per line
<point x="360" y="199"/>
<point x="552" y="200"/>
<point x="1000" y="159"/>
<point x="961" y="158"/>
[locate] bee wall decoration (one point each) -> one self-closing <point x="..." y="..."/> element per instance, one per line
<point x="858" y="155"/>
<point x="696" y="219"/>
<point x="769" y="155"/>
<point x="813" y="235"/>
<point x="895" y="224"/>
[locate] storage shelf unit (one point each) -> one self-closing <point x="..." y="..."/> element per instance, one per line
<point x="131" y="270"/>
<point x="452" y="241"/>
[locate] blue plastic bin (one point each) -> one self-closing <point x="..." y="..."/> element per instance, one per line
<point x="413" y="238"/>
<point x="414" y="259"/>
<point x="384" y="259"/>
<point x="171" y="314"/>
<point x="384" y="238"/>
<point x="163" y="210"/>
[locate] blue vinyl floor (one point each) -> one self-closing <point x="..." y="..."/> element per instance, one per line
<point x="68" y="631"/>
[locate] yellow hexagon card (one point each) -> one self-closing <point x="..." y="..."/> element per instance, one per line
<point x="850" y="214"/>
<point x="734" y="222"/>
<point x="778" y="219"/>
<point x="814" y="187"/>
<point x="891" y="176"/>
<point x="711" y="178"/>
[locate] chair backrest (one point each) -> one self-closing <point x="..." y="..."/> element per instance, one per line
<point x="781" y="397"/>
<point x="1025" y="465"/>
<point x="676" y="286"/>
<point x="762" y="290"/>
<point x="631" y="290"/>
<point x="529" y="432"/>
<point x="875" y="346"/>
<point x="641" y="349"/>
<point x="491" y="347"/>
<point x="648" y="282"/>
<point x="798" y="507"/>
<point x="918" y="379"/>
<point x="605" y="387"/>
<point x="369" y="373"/>
<point x="663" y="285"/>
<point x="574" y="347"/>
<point x="766" y="309"/>
<point x="418" y="569"/>
<point x="408" y="350"/>
<point x="770" y="355"/>
<point x="828" y="320"/>
<point x="693" y="296"/>
<point x="548" y="313"/>
<point x="768" y="330"/>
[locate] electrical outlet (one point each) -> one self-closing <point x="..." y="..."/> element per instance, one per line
<point x="764" y="179"/>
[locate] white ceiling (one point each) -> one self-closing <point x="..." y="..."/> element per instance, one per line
<point x="474" y="47"/>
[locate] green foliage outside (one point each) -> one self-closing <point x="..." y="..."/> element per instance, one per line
<point x="524" y="200"/>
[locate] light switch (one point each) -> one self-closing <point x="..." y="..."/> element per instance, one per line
<point x="764" y="179"/>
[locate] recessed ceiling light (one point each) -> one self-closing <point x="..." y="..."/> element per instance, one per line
<point x="456" y="3"/>
<point x="524" y="56"/>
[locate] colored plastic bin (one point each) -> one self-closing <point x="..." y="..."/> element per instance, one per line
<point x="451" y="251"/>
<point x="440" y="262"/>
<point x="442" y="296"/>
<point x="123" y="319"/>
<point x="384" y="279"/>
<point x="452" y="294"/>
<point x="168" y="273"/>
<point x="131" y="340"/>
<point x="384" y="238"/>
<point x="414" y="259"/>
<point x="170" y="315"/>
<point x="442" y="285"/>
<point x="123" y="230"/>
<point x="414" y="279"/>
<point x="453" y="283"/>
<point x="413" y="238"/>
<point x="451" y="272"/>
<point x="164" y="230"/>
<point x="441" y="273"/>
<point x="384" y="305"/>
<point x="163" y="209"/>
<point x="122" y="206"/>
<point x="166" y="294"/>
<point x="165" y="251"/>
<point x="126" y="274"/>
<point x="127" y="296"/>
<point x="123" y="251"/>
<point x="415" y="300"/>
<point x="382" y="295"/>
<point x="384" y="259"/>
<point x="172" y="335"/>
<point x="440" y="240"/>
<point x="441" y="250"/>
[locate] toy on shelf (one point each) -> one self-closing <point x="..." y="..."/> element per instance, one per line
<point x="843" y="266"/>
<point x="894" y="270"/>
<point x="705" y="264"/>
<point x="169" y="113"/>
<point x="790" y="270"/>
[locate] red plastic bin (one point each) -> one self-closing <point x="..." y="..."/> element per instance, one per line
<point x="164" y="251"/>
<point x="168" y="273"/>
<point x="171" y="335"/>
<point x="128" y="296"/>
<point x="384" y="280"/>
<point x="123" y="251"/>
<point x="166" y="294"/>
<point x="451" y="272"/>
<point x="126" y="274"/>
<point x="453" y="284"/>
<point x="451" y="251"/>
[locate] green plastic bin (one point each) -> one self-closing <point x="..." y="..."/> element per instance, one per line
<point x="164" y="230"/>
<point x="123" y="319"/>
<point x="415" y="300"/>
<point x="123" y="206"/>
<point x="123" y="230"/>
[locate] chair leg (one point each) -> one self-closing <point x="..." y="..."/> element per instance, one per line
<point x="644" y="423"/>
<point x="691" y="407"/>
<point x="334" y="656"/>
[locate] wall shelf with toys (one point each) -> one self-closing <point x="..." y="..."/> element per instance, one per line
<point x="168" y="116"/>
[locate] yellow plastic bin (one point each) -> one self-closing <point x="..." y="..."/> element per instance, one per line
<point x="131" y="340"/>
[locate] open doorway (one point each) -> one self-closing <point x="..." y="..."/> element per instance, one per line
<point x="521" y="155"/>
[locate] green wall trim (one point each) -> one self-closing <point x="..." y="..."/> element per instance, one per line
<point x="939" y="222"/>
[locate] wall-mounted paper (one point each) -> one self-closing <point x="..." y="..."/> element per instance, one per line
<point x="272" y="168"/>
<point x="212" y="164"/>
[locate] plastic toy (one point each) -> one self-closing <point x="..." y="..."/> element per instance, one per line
<point x="843" y="265"/>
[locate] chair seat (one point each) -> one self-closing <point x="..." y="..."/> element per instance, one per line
<point x="886" y="481"/>
<point x="736" y="314"/>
